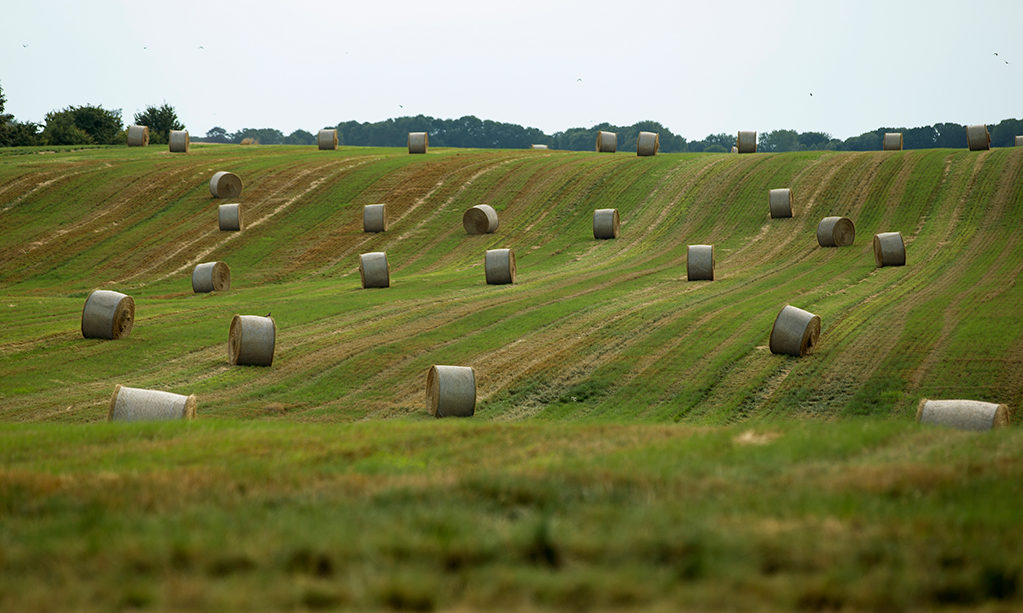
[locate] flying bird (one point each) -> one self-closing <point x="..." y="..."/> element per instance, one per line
<point x="201" y="47"/>
<point x="996" y="54"/>
<point x="24" y="45"/>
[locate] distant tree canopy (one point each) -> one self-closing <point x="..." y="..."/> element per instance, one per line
<point x="263" y="136"/>
<point x="161" y="120"/>
<point x="300" y="137"/>
<point x="83" y="125"/>
<point x="216" y="134"/>
<point x="13" y="133"/>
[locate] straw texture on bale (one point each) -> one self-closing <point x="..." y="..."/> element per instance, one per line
<point x="648" y="143"/>
<point x="179" y="141"/>
<point x="230" y="217"/>
<point x="108" y="315"/>
<point x="374" y="218"/>
<point x="781" y="202"/>
<point x="500" y="266"/>
<point x="211" y="277"/>
<point x="1019" y="141"/>
<point x="836" y="232"/>
<point x="418" y="142"/>
<point x="892" y="141"/>
<point x="251" y="340"/>
<point x="135" y="404"/>
<point x="326" y="140"/>
<point x="480" y="219"/>
<point x="747" y="142"/>
<point x="607" y="142"/>
<point x="700" y="263"/>
<point x="374" y="270"/>
<point x="735" y="149"/>
<point x="978" y="137"/>
<point x="795" y="332"/>
<point x="451" y="391"/>
<point x="539" y="147"/>
<point x="963" y="414"/>
<point x="225" y="185"/>
<point x="889" y="249"/>
<point x="605" y="223"/>
<point x="138" y="136"/>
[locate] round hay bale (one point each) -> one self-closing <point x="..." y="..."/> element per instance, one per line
<point x="538" y="147"/>
<point x="978" y="137"/>
<point x="500" y="266"/>
<point x="451" y="391"/>
<point x="1019" y="141"/>
<point x="735" y="150"/>
<point x="179" y="141"/>
<point x="135" y="404"/>
<point x="138" y="136"/>
<point x="963" y="414"/>
<point x="480" y="219"/>
<point x="892" y="141"/>
<point x="607" y="142"/>
<point x="211" y="277"/>
<point x="418" y="142"/>
<point x="795" y="332"/>
<point x="889" y="249"/>
<point x="108" y="315"/>
<point x="605" y="223"/>
<point x="326" y="140"/>
<point x="648" y="143"/>
<point x="747" y="142"/>
<point x="374" y="270"/>
<point x="700" y="263"/>
<point x="781" y="202"/>
<point x="251" y="341"/>
<point x="225" y="185"/>
<point x="374" y="218"/>
<point x="230" y="217"/>
<point x="836" y="232"/>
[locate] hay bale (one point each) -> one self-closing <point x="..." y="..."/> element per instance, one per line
<point x="963" y="414"/>
<point x="451" y="391"/>
<point x="735" y="150"/>
<point x="700" y="263"/>
<point x="795" y="332"/>
<point x="648" y="143"/>
<point x="538" y="147"/>
<point x="1019" y="141"/>
<point x="251" y="340"/>
<point x="607" y="142"/>
<point x="230" y="216"/>
<point x="374" y="218"/>
<point x="138" y="136"/>
<point x="500" y="266"/>
<point x="326" y="140"/>
<point x="780" y="201"/>
<point x="211" y="277"/>
<point x="746" y="142"/>
<point x="480" y="219"/>
<point x="978" y="138"/>
<point x="225" y="185"/>
<point x="418" y="142"/>
<point x="889" y="249"/>
<point x="605" y="223"/>
<point x="374" y="270"/>
<point x="179" y="141"/>
<point x="135" y="404"/>
<point x="892" y="141"/>
<point x="108" y="315"/>
<point x="836" y="232"/>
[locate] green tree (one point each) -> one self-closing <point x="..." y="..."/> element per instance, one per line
<point x="264" y="136"/>
<point x="778" y="140"/>
<point x="14" y="133"/>
<point x="300" y="137"/>
<point x="216" y="134"/>
<point x="161" y="120"/>
<point x="83" y="125"/>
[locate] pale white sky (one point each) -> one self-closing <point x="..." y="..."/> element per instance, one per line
<point x="697" y="67"/>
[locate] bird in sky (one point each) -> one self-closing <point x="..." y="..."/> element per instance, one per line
<point x="811" y="94"/>
<point x="201" y="47"/>
<point x="996" y="54"/>
<point x="24" y="45"/>
<point x="400" y="106"/>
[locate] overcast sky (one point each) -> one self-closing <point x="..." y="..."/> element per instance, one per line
<point x="697" y="67"/>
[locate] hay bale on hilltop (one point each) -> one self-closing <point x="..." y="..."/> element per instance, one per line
<point x="780" y="201"/>
<point x="108" y="315"/>
<point x="734" y="149"/>
<point x="978" y="138"/>
<point x="480" y="219"/>
<point x="499" y="265"/>
<point x="538" y="147"/>
<point x="211" y="277"/>
<point x="374" y="218"/>
<point x="605" y="223"/>
<point x="451" y="391"/>
<point x="1019" y="141"/>
<point x="648" y="143"/>
<point x="889" y="249"/>
<point x="179" y="141"/>
<point x="963" y="414"/>
<point x="795" y="332"/>
<point x="326" y="140"/>
<point x="746" y="142"/>
<point x="836" y="232"/>
<point x="374" y="270"/>
<point x="135" y="404"/>
<point x="607" y="142"/>
<point x="892" y="141"/>
<point x="230" y="217"/>
<point x="251" y="341"/>
<point x="138" y="136"/>
<point x="225" y="185"/>
<point x="700" y="263"/>
<point x="418" y="142"/>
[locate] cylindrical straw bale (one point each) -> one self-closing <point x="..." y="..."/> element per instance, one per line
<point x="781" y="202"/>
<point x="605" y="223"/>
<point x="539" y="147"/>
<point x="230" y="216"/>
<point x="795" y="332"/>
<point x="179" y="141"/>
<point x="978" y="137"/>
<point x="607" y="142"/>
<point x="135" y="404"/>
<point x="480" y="219"/>
<point x="1019" y="141"/>
<point x="108" y="315"/>
<point x="963" y="414"/>
<point x="251" y="340"/>
<point x="735" y="149"/>
<point x="836" y="232"/>
<point x="500" y="266"/>
<point x="889" y="249"/>
<point x="892" y="141"/>
<point x="211" y="277"/>
<point x="747" y="142"/>
<point x="374" y="218"/>
<point x="138" y="136"/>
<point x="326" y="140"/>
<point x="648" y="143"/>
<point x="374" y="270"/>
<point x="451" y="391"/>
<point x="418" y="142"/>
<point x="700" y="263"/>
<point x="225" y="185"/>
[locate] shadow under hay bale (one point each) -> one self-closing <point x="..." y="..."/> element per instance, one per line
<point x="225" y="185"/>
<point x="978" y="138"/>
<point x="418" y="142"/>
<point x="251" y="341"/>
<point x="451" y="391"/>
<point x="211" y="277"/>
<point x="892" y="141"/>
<point x="108" y="315"/>
<point x="795" y="332"/>
<point x="135" y="404"/>
<point x="607" y="142"/>
<point x="963" y="414"/>
<point x="326" y="140"/>
<point x="374" y="218"/>
<point x="229" y="216"/>
<point x="746" y="142"/>
<point x="179" y="141"/>
<point x="480" y="219"/>
<point x="889" y="249"/>
<point x="648" y="143"/>
<point x="605" y="223"/>
<point x="700" y="263"/>
<point x="499" y="265"/>
<point x="780" y="201"/>
<point x="138" y="136"/>
<point x="836" y="232"/>
<point x="374" y="270"/>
